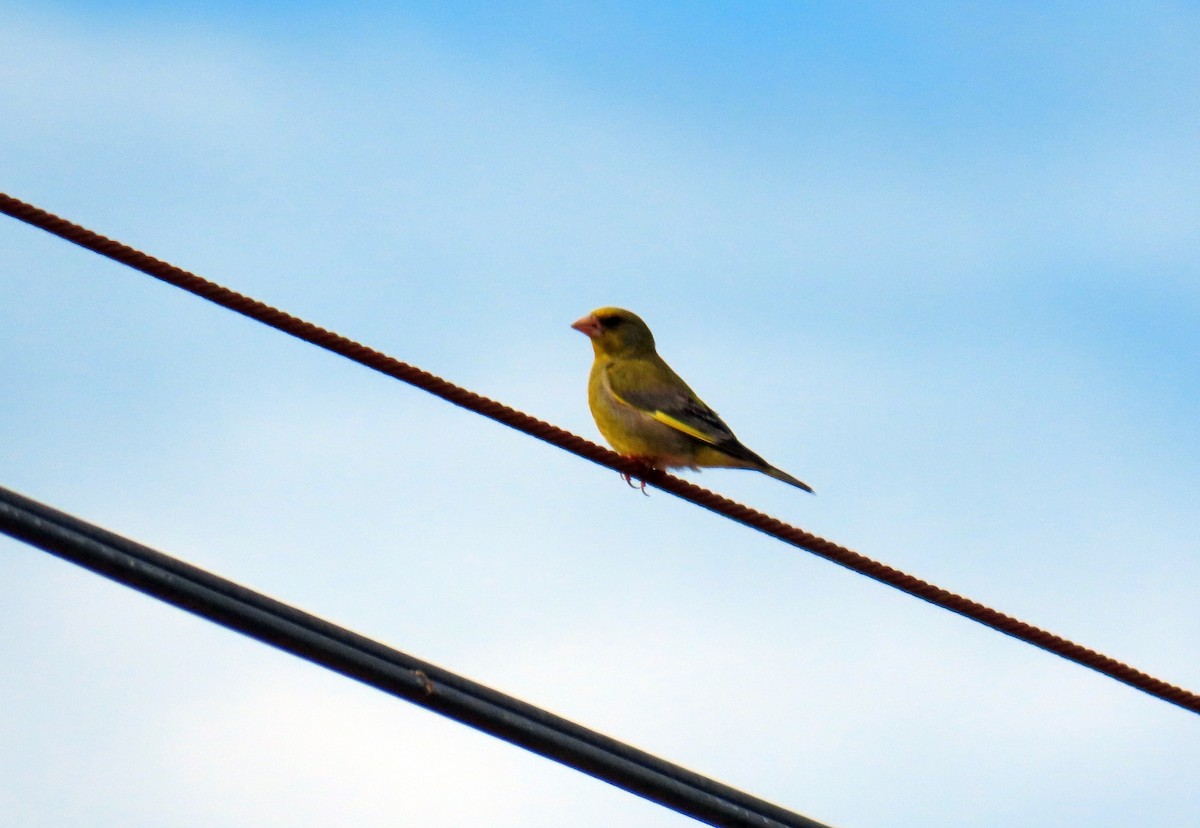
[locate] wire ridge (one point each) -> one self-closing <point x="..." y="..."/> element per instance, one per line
<point x="588" y="450"/>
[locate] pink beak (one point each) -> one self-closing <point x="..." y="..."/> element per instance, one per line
<point x="589" y="326"/>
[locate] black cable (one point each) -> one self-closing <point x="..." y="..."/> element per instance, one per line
<point x="338" y="649"/>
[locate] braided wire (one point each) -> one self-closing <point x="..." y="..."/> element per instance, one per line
<point x="588" y="450"/>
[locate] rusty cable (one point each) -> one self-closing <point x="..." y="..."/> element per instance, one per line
<point x="588" y="450"/>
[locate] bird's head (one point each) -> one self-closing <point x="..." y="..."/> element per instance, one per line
<point x="616" y="332"/>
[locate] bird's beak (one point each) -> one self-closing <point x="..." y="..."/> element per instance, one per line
<point x="589" y="326"/>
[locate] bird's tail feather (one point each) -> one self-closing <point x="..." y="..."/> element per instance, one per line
<point x="779" y="474"/>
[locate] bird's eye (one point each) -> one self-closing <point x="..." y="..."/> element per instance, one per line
<point x="611" y="322"/>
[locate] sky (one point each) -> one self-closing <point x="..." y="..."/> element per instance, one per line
<point x="939" y="260"/>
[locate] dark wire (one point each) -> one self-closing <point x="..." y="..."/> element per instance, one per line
<point x="774" y="527"/>
<point x="262" y="618"/>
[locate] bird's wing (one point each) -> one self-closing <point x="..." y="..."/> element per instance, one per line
<point x="651" y="387"/>
<point x="657" y="391"/>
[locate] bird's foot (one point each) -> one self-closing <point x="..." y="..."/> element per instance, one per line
<point x="641" y="482"/>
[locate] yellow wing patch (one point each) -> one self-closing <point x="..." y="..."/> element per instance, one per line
<point x="692" y="431"/>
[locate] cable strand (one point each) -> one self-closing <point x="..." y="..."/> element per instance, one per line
<point x="588" y="450"/>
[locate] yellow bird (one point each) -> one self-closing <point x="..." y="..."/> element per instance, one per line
<point x="646" y="412"/>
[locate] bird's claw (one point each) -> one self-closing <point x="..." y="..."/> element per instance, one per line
<point x="628" y="478"/>
<point x="641" y="481"/>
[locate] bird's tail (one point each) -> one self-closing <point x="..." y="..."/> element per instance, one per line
<point x="779" y="474"/>
<point x="733" y="455"/>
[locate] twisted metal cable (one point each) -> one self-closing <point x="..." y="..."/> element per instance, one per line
<point x="556" y="436"/>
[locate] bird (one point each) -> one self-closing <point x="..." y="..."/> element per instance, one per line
<point x="645" y="410"/>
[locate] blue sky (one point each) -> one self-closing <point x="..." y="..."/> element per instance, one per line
<point x="938" y="260"/>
